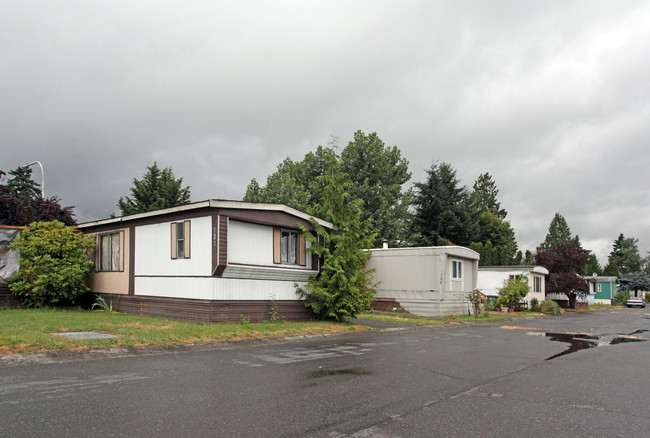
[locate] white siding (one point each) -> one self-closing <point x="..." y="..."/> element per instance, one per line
<point x="252" y="244"/>
<point x="209" y="288"/>
<point x="491" y="280"/>
<point x="153" y="250"/>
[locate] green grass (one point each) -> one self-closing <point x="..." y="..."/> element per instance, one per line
<point x="407" y="318"/>
<point x="28" y="331"/>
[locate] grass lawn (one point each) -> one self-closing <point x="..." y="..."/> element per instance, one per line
<point x="29" y="331"/>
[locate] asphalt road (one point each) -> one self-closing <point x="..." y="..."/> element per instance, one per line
<point x="527" y="379"/>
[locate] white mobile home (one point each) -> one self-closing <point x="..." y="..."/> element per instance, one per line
<point x="212" y="261"/>
<point x="427" y="281"/>
<point x="492" y="278"/>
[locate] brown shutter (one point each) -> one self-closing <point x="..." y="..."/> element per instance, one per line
<point x="302" y="251"/>
<point x="122" y="251"/>
<point x="98" y="252"/>
<point x="174" y="256"/>
<point x="277" y="251"/>
<point x="186" y="242"/>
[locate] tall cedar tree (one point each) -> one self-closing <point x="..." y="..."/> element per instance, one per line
<point x="158" y="189"/>
<point x="565" y="263"/>
<point x="343" y="288"/>
<point x="442" y="209"/>
<point x="21" y="203"/>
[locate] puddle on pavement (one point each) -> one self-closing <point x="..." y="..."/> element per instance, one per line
<point x="576" y="342"/>
<point x="343" y="372"/>
<point x="625" y="340"/>
<point x="579" y="341"/>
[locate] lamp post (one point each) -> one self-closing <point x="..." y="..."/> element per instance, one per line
<point x="42" y="176"/>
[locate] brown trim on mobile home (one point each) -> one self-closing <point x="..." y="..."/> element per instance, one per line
<point x="211" y="311"/>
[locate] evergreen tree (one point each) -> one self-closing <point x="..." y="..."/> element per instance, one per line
<point x="22" y="185"/>
<point x="157" y="189"/>
<point x="518" y="259"/>
<point x="484" y="196"/>
<point x="343" y="287"/>
<point x="528" y="258"/>
<point x="442" y="209"/>
<point x="635" y="282"/>
<point x="592" y="266"/>
<point x="558" y="232"/>
<point x="624" y="259"/>
<point x="488" y="255"/>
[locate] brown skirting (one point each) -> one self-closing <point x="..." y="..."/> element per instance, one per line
<point x="208" y="310"/>
<point x="385" y="304"/>
<point x="8" y="300"/>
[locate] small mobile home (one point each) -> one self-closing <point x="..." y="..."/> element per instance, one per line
<point x="211" y="261"/>
<point x="427" y="281"/>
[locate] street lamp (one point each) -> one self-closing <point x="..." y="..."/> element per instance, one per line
<point x="42" y="176"/>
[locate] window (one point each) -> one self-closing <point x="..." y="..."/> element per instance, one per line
<point x="289" y="247"/>
<point x="537" y="284"/>
<point x="181" y="240"/>
<point x="600" y="288"/>
<point x="288" y="244"/>
<point x="108" y="252"/>
<point x="457" y="269"/>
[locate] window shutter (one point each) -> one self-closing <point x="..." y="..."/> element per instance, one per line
<point x="98" y="252"/>
<point x="121" y="262"/>
<point x="302" y="252"/>
<point x="277" y="251"/>
<point x="173" y="227"/>
<point x="186" y="242"/>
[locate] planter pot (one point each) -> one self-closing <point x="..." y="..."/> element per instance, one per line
<point x="511" y="309"/>
<point x="504" y="309"/>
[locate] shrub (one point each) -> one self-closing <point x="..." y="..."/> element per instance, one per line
<point x="491" y="305"/>
<point x="622" y="297"/>
<point x="550" y="307"/>
<point x="54" y="263"/>
<point x="534" y="305"/>
<point x="476" y="298"/>
<point x="513" y="290"/>
<point x="647" y="297"/>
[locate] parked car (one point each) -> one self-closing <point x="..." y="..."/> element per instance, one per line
<point x="635" y="301"/>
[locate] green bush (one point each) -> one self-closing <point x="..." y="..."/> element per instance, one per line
<point x="54" y="263"/>
<point x="550" y="307"/>
<point x="534" y="305"/>
<point x="513" y="290"/>
<point x="622" y="297"/>
<point x="647" y="297"/>
<point x="492" y="304"/>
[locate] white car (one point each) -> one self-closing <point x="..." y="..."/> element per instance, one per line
<point x="635" y="301"/>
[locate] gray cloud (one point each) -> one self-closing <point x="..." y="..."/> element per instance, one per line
<point x="550" y="97"/>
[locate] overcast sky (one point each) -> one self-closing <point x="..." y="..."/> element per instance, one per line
<point x="550" y="97"/>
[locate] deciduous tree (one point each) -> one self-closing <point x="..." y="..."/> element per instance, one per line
<point x="564" y="264"/>
<point x="21" y="205"/>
